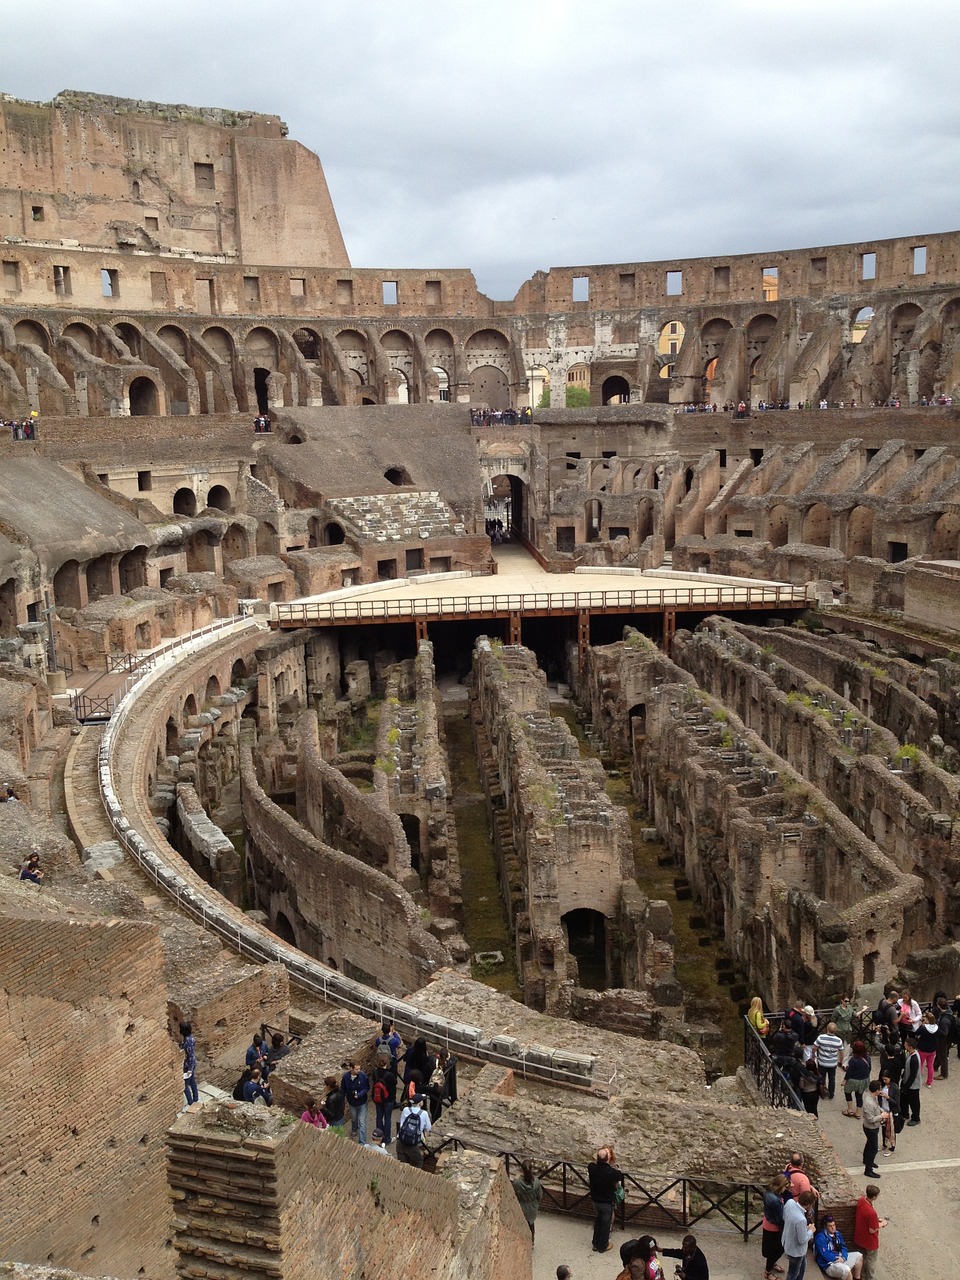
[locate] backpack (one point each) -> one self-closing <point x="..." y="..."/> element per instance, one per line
<point x="437" y="1078"/>
<point x="409" y="1132"/>
<point x="380" y="1092"/>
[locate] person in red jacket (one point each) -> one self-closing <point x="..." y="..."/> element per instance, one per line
<point x="866" y="1231"/>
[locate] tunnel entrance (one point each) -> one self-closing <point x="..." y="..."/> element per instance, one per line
<point x="586" y="932"/>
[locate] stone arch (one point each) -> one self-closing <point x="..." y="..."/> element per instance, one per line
<point x="778" y="526"/>
<point x="190" y="709"/>
<point x="100" y="577"/>
<point x="8" y="606"/>
<point x="488" y="347"/>
<point x="512" y="499"/>
<point x="333" y="534"/>
<point x="488" y="385"/>
<point x="66" y="586"/>
<point x="220" y="342"/>
<point x="593" y="519"/>
<point x="860" y="532"/>
<point x="185" y="502"/>
<point x="82" y="335"/>
<point x="927" y="369"/>
<point x="175" y="339"/>
<point x="645" y="509"/>
<point x="235" y="544"/>
<point x="172" y="737"/>
<point x="133" y="569"/>
<point x="284" y="929"/>
<point x="670" y="338"/>
<point x="615" y="390"/>
<point x="238" y="673"/>
<point x="761" y="327"/>
<point x="261" y="347"/>
<point x="212" y="690"/>
<point x="200" y="548"/>
<point x="219" y="498"/>
<point x="268" y="542"/>
<point x="307" y="342"/>
<point x="860" y="321"/>
<point x="130" y="336"/>
<point x="32" y="332"/>
<point x="816" y="525"/>
<point x="396" y="341"/>
<point x="439" y="348"/>
<point x="144" y="398"/>
<point x="945" y="538"/>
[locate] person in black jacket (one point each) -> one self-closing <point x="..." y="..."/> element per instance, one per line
<point x="603" y="1177"/>
<point x="693" y="1264"/>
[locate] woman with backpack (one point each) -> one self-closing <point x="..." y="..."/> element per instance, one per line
<point x="384" y="1098"/>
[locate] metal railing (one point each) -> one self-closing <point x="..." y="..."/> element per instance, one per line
<point x="639" y="599"/>
<point x="677" y="1204"/>
<point x="769" y="1079"/>
<point x="248" y="939"/>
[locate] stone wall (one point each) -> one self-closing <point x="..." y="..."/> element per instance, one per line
<point x="329" y="904"/>
<point x="87" y="1032"/>
<point x="254" y="1194"/>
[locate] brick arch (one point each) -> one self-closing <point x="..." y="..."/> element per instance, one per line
<point x="33" y="332"/>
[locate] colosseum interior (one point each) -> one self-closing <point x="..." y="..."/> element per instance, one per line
<point x="692" y="736"/>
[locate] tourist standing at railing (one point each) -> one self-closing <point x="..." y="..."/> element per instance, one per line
<point x="828" y="1052"/>
<point x="910" y="1014"/>
<point x="856" y="1078"/>
<point x="771" y="1244"/>
<point x="946" y="1026"/>
<point x="843" y="1017"/>
<point x="810" y="1030"/>
<point x="604" y="1178"/>
<point x="757" y="1018"/>
<point x="892" y="1053"/>
<point x="529" y="1192"/>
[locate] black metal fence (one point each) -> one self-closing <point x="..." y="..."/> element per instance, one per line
<point x="677" y="1204"/>
<point x="769" y="1079"/>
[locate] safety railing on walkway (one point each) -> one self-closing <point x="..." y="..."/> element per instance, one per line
<point x="769" y="1079"/>
<point x="248" y="939"/>
<point x="640" y="599"/>
<point x="676" y="1204"/>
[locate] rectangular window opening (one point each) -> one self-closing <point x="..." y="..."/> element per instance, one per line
<point x="104" y="478"/>
<point x="433" y="293"/>
<point x="674" y="284"/>
<point x="158" y="286"/>
<point x="11" y="277"/>
<point x="868" y="266"/>
<point x="628" y="286"/>
<point x="723" y="457"/>
<point x="204" y="296"/>
<point x="721" y="279"/>
<point x="743" y="533"/>
<point x="389" y="293"/>
<point x="580" y="290"/>
<point x="109" y="282"/>
<point x="898" y="552"/>
<point x="37" y="212"/>
<point x="251" y="290"/>
<point x="771" y="283"/>
<point x="871" y="454"/>
<point x="608" y="453"/>
<point x="386" y="570"/>
<point x="61" y="282"/>
<point x="414" y="559"/>
<point x="920" y="260"/>
<point x="344" y="293"/>
<point x="818" y="270"/>
<point x="151" y="223"/>
<point x="756" y="456"/>
<point x="203" y="179"/>
<point x="566" y="537"/>
<point x="618" y="531"/>
<point x="144" y="481"/>
<point x="165" y="576"/>
<point x="440" y="564"/>
<point x="298" y="287"/>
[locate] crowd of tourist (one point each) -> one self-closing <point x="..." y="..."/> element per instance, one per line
<point x="22" y="428"/>
<point x="261" y="424"/>
<point x="500" y="417"/>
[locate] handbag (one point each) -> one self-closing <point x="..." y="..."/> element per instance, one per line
<point x="619" y="1193"/>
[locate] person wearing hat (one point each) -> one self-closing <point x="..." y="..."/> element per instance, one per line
<point x="831" y="1253"/>
<point x="809" y="1033"/>
<point x="414" y="1126"/>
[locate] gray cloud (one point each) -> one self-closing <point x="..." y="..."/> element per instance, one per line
<point x="523" y="134"/>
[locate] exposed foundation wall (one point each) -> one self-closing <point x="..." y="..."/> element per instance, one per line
<point x="254" y="1196"/>
<point x="226" y="1008"/>
<point x="87" y="1030"/>
<point x="335" y="908"/>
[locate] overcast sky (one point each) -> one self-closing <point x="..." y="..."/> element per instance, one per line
<point x="512" y="135"/>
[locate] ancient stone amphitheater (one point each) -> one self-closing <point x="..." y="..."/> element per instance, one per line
<point x="708" y="681"/>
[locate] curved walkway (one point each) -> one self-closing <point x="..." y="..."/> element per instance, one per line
<point x="122" y="767"/>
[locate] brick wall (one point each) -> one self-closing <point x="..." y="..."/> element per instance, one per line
<point x="94" y="1081"/>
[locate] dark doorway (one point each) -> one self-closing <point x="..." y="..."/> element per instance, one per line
<point x="615" y="390"/>
<point x="144" y="402"/>
<point x="260" y="382"/>
<point x="587" y="942"/>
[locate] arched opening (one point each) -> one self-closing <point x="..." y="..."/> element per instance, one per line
<point x="593" y="519"/>
<point x="778" y="526"/>
<point x="268" y="544"/>
<point x="443" y="384"/>
<point x="66" y="586"/>
<point x="644" y="519"/>
<point x="284" y="929"/>
<point x="945" y="540"/>
<point x="219" y="498"/>
<point x="184" y="503"/>
<point x="637" y="718"/>
<point x="261" y="379"/>
<point x="100" y="577"/>
<point x="220" y="343"/>
<point x="506" y="508"/>
<point x="308" y="343"/>
<point x="587" y="943"/>
<point x="83" y="336"/>
<point x="860" y="324"/>
<point x="860" y="532"/>
<point x="133" y="569"/>
<point x="294" y="439"/>
<point x="234" y="545"/>
<point x="189" y="707"/>
<point x="144" y="398"/>
<point x="174" y="338"/>
<point x="927" y="369"/>
<point x="816" y="526"/>
<point x="238" y="673"/>
<point x="688" y="480"/>
<point x="397" y="475"/>
<point x="130" y="337"/>
<point x="615" y="390"/>
<point x="488" y="386"/>
<point x="8" y="606"/>
<point x="411" y="829"/>
<point x="212" y="691"/>
<point x="201" y="552"/>
<point x="172" y="737"/>
<point x="34" y="334"/>
<point x="333" y="534"/>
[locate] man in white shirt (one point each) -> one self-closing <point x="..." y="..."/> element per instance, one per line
<point x="828" y="1050"/>
<point x="797" y="1233"/>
